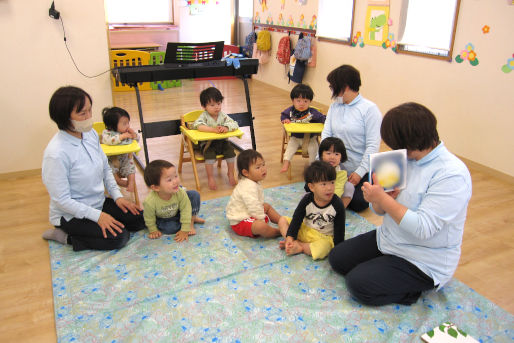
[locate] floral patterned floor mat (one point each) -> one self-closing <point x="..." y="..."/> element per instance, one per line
<point x="219" y="287"/>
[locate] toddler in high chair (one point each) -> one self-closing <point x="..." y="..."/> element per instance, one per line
<point x="300" y="112"/>
<point x="118" y="132"/>
<point x="246" y="210"/>
<point x="318" y="223"/>
<point x="214" y="120"/>
<point x="169" y="209"/>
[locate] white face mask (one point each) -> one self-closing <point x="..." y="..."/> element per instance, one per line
<point x="82" y="125"/>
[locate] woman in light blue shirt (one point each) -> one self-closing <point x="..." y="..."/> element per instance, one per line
<point x="75" y="172"/>
<point x="356" y="121"/>
<point x="417" y="248"/>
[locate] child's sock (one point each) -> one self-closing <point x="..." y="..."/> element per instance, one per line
<point x="57" y="235"/>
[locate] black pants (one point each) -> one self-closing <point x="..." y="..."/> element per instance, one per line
<point x="86" y="234"/>
<point x="374" y="278"/>
<point x="358" y="203"/>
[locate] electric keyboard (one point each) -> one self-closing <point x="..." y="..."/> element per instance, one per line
<point x="177" y="71"/>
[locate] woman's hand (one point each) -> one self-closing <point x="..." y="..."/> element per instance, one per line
<point x="107" y="222"/>
<point x="286" y="121"/>
<point x="126" y="205"/>
<point x="373" y="192"/>
<point x="354" y="178"/>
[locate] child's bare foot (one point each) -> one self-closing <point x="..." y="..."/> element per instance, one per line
<point x="285" y="166"/>
<point x="212" y="184"/>
<point x="231" y="179"/>
<point x="296" y="248"/>
<point x="283" y="226"/>
<point x="198" y="220"/>
<point x="282" y="245"/>
<point x="193" y="230"/>
<point x="155" y="234"/>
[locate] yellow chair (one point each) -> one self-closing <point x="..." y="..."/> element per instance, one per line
<point x="190" y="138"/>
<point x="128" y="58"/>
<point x="113" y="150"/>
<point x="301" y="151"/>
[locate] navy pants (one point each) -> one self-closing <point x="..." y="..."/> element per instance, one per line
<point x="374" y="278"/>
<point x="86" y="234"/>
<point x="358" y="203"/>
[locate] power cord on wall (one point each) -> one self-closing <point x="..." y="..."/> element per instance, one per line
<point x="53" y="13"/>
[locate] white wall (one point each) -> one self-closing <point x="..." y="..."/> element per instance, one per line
<point x="474" y="105"/>
<point x="35" y="63"/>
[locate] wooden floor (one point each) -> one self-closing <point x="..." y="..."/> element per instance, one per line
<point x="26" y="307"/>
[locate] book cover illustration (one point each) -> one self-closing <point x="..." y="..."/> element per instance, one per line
<point x="447" y="333"/>
<point x="390" y="168"/>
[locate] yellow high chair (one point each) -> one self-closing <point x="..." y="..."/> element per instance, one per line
<point x="191" y="138"/>
<point x="113" y="150"/>
<point x="306" y="129"/>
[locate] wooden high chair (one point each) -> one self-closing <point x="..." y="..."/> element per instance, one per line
<point x="306" y="129"/>
<point x="191" y="138"/>
<point x="113" y="150"/>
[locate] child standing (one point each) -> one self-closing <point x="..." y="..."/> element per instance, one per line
<point x="169" y="209"/>
<point x="118" y="132"/>
<point x="333" y="151"/>
<point x="214" y="120"/>
<point x="318" y="222"/>
<point x="246" y="210"/>
<point x="300" y="112"/>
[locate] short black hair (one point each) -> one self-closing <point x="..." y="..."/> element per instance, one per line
<point x="63" y="102"/>
<point x="111" y="116"/>
<point x="335" y="142"/>
<point x="319" y="171"/>
<point x="245" y="159"/>
<point x="153" y="171"/>
<point x="410" y="126"/>
<point x="208" y="94"/>
<point x="343" y="76"/>
<point x="302" y="91"/>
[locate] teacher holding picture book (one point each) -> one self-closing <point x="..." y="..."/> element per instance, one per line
<point x="418" y="246"/>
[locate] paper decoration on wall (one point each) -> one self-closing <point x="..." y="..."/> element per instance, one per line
<point x="485" y="29"/>
<point x="390" y="22"/>
<point x="280" y="20"/>
<point x="314" y="23"/>
<point x="301" y="23"/>
<point x="468" y="54"/>
<point x="302" y="2"/>
<point x="282" y="4"/>
<point x="264" y="5"/>
<point x="257" y="18"/>
<point x="507" y="68"/>
<point x="390" y="42"/>
<point x="290" y="22"/>
<point x="269" y="19"/>
<point x="200" y="2"/>
<point x="376" y="28"/>
<point x="357" y="40"/>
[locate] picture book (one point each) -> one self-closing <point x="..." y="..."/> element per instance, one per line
<point x="447" y="333"/>
<point x="390" y="168"/>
